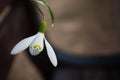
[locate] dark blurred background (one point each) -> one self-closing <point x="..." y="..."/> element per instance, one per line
<point x="85" y="38"/>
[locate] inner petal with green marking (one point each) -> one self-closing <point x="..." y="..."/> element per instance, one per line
<point x="37" y="47"/>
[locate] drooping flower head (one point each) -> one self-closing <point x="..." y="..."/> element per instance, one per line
<point x="35" y="43"/>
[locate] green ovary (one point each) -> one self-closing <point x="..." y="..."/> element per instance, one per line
<point x="37" y="47"/>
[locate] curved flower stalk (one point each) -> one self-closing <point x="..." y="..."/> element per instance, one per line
<point x="36" y="42"/>
<point x="44" y="3"/>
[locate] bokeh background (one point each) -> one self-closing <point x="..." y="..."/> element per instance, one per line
<point x="85" y="38"/>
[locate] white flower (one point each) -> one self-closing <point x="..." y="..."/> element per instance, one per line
<point x="36" y="45"/>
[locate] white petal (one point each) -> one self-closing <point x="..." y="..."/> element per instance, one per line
<point x="33" y="52"/>
<point x="51" y="53"/>
<point x="22" y="45"/>
<point x="37" y="42"/>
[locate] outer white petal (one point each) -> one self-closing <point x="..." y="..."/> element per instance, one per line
<point x="51" y="53"/>
<point x="38" y="41"/>
<point x="22" y="45"/>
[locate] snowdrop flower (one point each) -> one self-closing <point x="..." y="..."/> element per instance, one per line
<point x="35" y="44"/>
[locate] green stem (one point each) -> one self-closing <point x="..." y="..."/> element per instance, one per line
<point x="39" y="10"/>
<point x="50" y="10"/>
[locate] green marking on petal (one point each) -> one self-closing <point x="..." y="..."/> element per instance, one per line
<point x="37" y="47"/>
